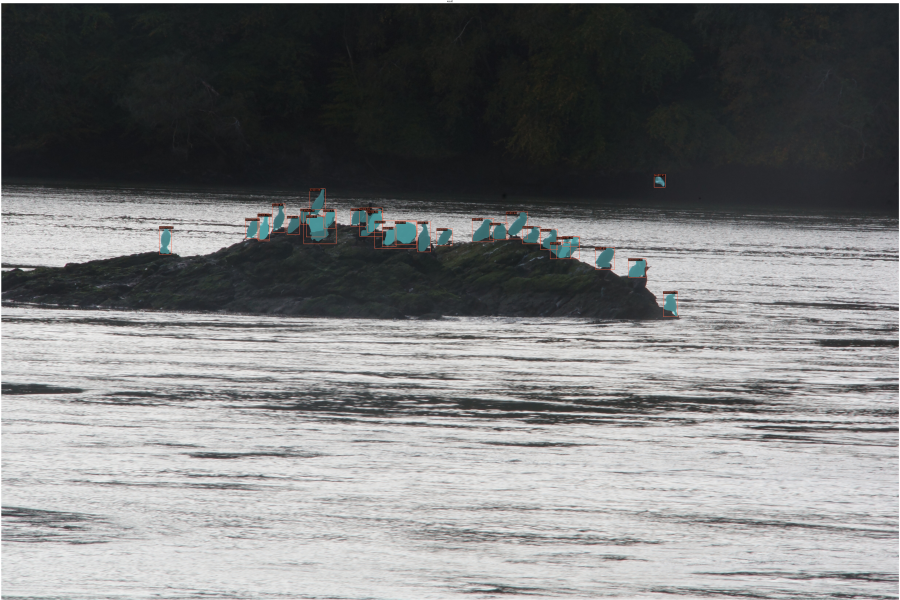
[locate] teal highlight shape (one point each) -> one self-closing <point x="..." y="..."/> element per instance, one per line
<point x="293" y="225"/>
<point x="329" y="219"/>
<point x="406" y="232"/>
<point x="370" y="224"/>
<point x="483" y="231"/>
<point x="164" y="239"/>
<point x="551" y="237"/>
<point x="604" y="261"/>
<point x="499" y="232"/>
<point x="279" y="218"/>
<point x="316" y="228"/>
<point x="319" y="202"/>
<point x="354" y="217"/>
<point x="518" y="224"/>
<point x="424" y="238"/>
<point x="445" y="237"/>
<point x="532" y="238"/>
<point x="567" y="248"/>
<point x="671" y="305"/>
<point x="573" y="245"/>
<point x="638" y="269"/>
<point x="264" y="228"/>
<point x="252" y="228"/>
<point x="390" y="236"/>
<point x="660" y="182"/>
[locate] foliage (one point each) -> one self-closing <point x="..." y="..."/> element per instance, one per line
<point x="613" y="88"/>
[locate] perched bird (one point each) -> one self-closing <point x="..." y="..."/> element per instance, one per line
<point x="406" y="232"/>
<point x="319" y="202"/>
<point x="604" y="261"/>
<point x="371" y="225"/>
<point x="164" y="240"/>
<point x="424" y="238"/>
<point x="293" y="225"/>
<point x="483" y="231"/>
<point x="532" y="238"/>
<point x="638" y="269"/>
<point x="390" y="236"/>
<point x="354" y="217"/>
<point x="671" y="305"/>
<point x="252" y="228"/>
<point x="551" y="237"/>
<point x="279" y="218"/>
<point x="329" y="219"/>
<point x="518" y="224"/>
<point x="316" y="228"/>
<point x="445" y="237"/>
<point x="263" y="228"/>
<point x="499" y="232"/>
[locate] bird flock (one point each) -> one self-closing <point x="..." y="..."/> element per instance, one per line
<point x="317" y="224"/>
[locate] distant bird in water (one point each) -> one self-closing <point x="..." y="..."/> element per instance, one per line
<point x="319" y="202"/>
<point x="164" y="240"/>
<point x="444" y="239"/>
<point x="279" y="218"/>
<point x="483" y="231"/>
<point x="604" y="261"/>
<point x="671" y="305"/>
<point x="424" y="238"/>
<point x="659" y="181"/>
<point x="518" y="224"/>
<point x="252" y="228"/>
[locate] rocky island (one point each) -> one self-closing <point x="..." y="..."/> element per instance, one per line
<point x="350" y="278"/>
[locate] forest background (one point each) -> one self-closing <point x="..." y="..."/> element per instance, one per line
<point x="738" y="103"/>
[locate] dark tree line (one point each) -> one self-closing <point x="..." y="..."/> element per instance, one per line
<point x="583" y="87"/>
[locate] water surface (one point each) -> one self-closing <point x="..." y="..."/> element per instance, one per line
<point x="748" y="449"/>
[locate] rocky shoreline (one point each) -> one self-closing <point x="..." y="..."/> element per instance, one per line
<point x="350" y="278"/>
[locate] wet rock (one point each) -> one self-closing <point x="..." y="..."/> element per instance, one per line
<point x="351" y="278"/>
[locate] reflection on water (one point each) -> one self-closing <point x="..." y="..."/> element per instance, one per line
<point x="747" y="449"/>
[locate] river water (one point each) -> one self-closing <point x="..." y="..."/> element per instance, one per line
<point x="748" y="449"/>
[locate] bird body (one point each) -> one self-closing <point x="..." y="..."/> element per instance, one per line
<point x="164" y="240"/>
<point x="483" y="231"/>
<point x="371" y="225"/>
<point x="293" y="224"/>
<point x="445" y="237"/>
<point x="424" y="238"/>
<point x="551" y="237"/>
<point x="264" y="228"/>
<point x="499" y="232"/>
<point x="390" y="236"/>
<point x="604" y="261"/>
<point x="671" y="305"/>
<point x="319" y="202"/>
<point x="329" y="219"/>
<point x="279" y="218"/>
<point x="532" y="238"/>
<point x="316" y="227"/>
<point x="406" y="233"/>
<point x="518" y="224"/>
<point x="660" y="182"/>
<point x="252" y="228"/>
<point x="638" y="269"/>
